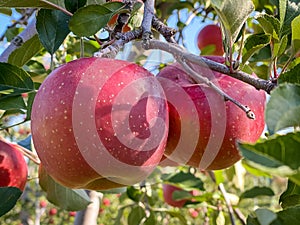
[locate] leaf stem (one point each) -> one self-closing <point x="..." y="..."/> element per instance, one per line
<point x="57" y="7"/>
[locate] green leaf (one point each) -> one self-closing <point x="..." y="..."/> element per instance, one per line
<point x="219" y="176"/>
<point x="186" y="181"/>
<point x="291" y="76"/>
<point x="14" y="80"/>
<point x="52" y="28"/>
<point x="73" y="5"/>
<point x="136" y="215"/>
<point x="12" y="32"/>
<point x="8" y="198"/>
<point x="288" y="216"/>
<point x="29" y="3"/>
<point x="233" y="14"/>
<point x="280" y="47"/>
<point x="23" y="54"/>
<point x="291" y="197"/>
<point x="31" y="97"/>
<point x="134" y="193"/>
<point x="257" y="191"/>
<point x="279" y="155"/>
<point x="181" y="195"/>
<point x="283" y="108"/>
<point x="220" y="220"/>
<point x="270" y="25"/>
<point x="282" y="11"/>
<point x="12" y="103"/>
<point x="176" y="214"/>
<point x="90" y="19"/>
<point x="265" y="216"/>
<point x="6" y="11"/>
<point x="296" y="34"/>
<point x="95" y="2"/>
<point x="63" y="197"/>
<point x="292" y="11"/>
<point x="151" y="219"/>
<point x="254" y="43"/>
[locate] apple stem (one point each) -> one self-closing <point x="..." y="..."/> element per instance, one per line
<point x="200" y="79"/>
<point x="29" y="154"/>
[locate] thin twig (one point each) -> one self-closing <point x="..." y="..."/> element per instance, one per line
<point x="19" y="40"/>
<point x="22" y="20"/>
<point x="200" y="79"/>
<point x="147" y="21"/>
<point x="29" y="154"/>
<point x="178" y="52"/>
<point x="164" y="30"/>
<point x="225" y="195"/>
<point x="240" y="216"/>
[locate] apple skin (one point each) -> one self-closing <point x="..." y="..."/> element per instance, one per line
<point x="13" y="167"/>
<point x="220" y="124"/>
<point x="99" y="123"/>
<point x="168" y="190"/>
<point x="211" y="35"/>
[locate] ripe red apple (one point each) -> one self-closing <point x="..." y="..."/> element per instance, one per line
<point x="211" y="35"/>
<point x="203" y="128"/>
<point x="13" y="167"/>
<point x="99" y="123"/>
<point x="106" y="202"/>
<point x="52" y="211"/>
<point x="193" y="213"/>
<point x="165" y="162"/>
<point x="168" y="191"/>
<point x="72" y="214"/>
<point x="43" y="204"/>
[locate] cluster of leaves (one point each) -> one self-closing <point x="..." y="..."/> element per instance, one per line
<point x="270" y="49"/>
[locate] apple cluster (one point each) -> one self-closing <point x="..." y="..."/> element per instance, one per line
<point x="102" y="123"/>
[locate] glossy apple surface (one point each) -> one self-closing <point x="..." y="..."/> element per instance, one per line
<point x="99" y="123"/>
<point x="204" y="128"/>
<point x="13" y="167"/>
<point x="211" y="35"/>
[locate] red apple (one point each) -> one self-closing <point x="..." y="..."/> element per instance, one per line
<point x="203" y="128"/>
<point x="43" y="204"/>
<point x="99" y="123"/>
<point x="193" y="213"/>
<point x="106" y="202"/>
<point x="211" y="35"/>
<point x="13" y="167"/>
<point x="72" y="214"/>
<point x="168" y="191"/>
<point x="52" y="211"/>
<point x="165" y="162"/>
